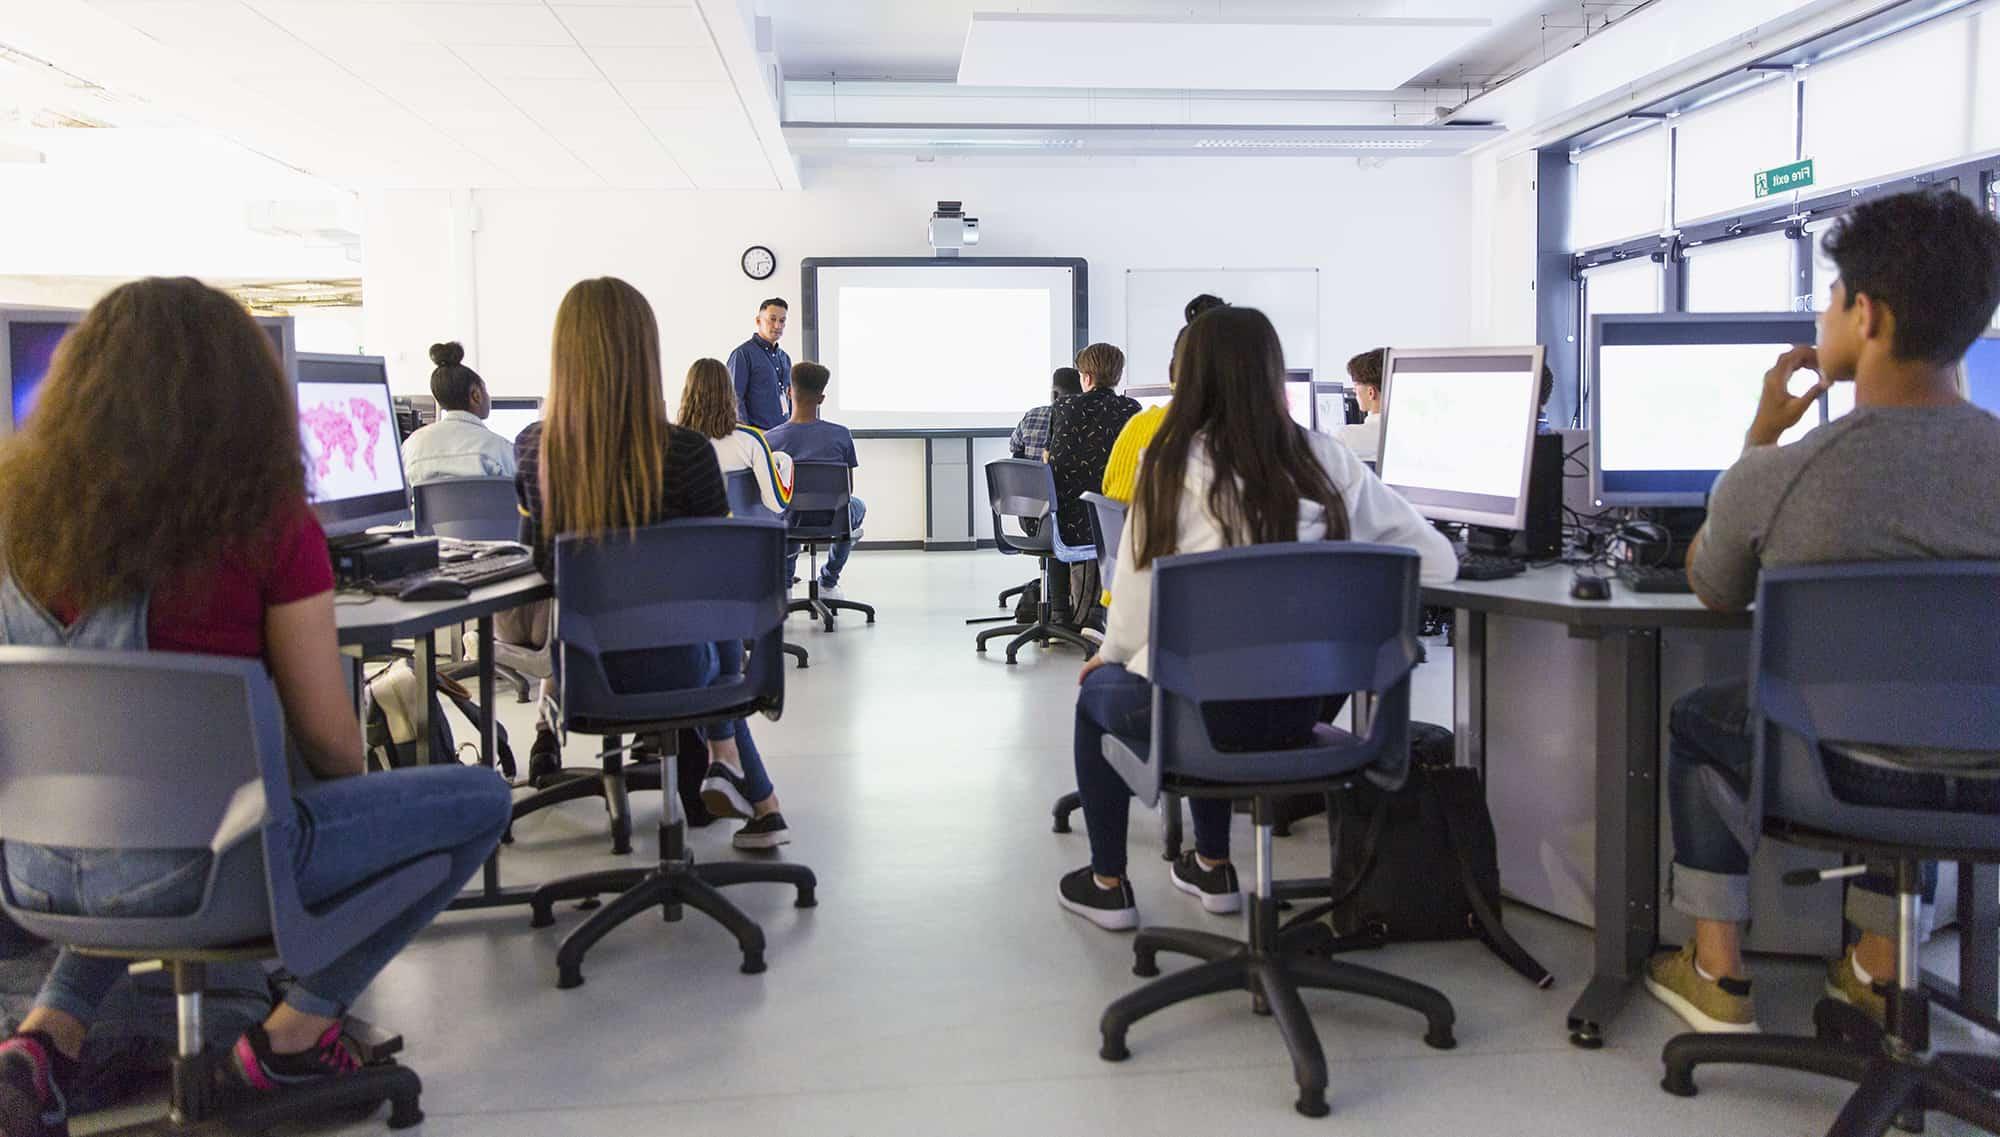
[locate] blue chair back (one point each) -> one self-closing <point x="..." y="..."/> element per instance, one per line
<point x="820" y="491"/>
<point x="1107" y="524"/>
<point x="468" y="509"/>
<point x="1890" y="654"/>
<point x="1280" y="621"/>
<point x="1025" y="490"/>
<point x="745" y="499"/>
<point x="666" y="588"/>
<point x="194" y="758"/>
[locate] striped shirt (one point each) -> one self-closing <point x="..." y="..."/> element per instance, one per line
<point x="693" y="485"/>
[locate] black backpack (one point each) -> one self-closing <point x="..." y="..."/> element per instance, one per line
<point x="1419" y="863"/>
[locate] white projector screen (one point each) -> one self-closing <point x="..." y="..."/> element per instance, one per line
<point x="937" y="344"/>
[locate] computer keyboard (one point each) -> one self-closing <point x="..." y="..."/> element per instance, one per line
<point x="451" y="549"/>
<point x="1653" y="578"/>
<point x="475" y="573"/>
<point x="1488" y="566"/>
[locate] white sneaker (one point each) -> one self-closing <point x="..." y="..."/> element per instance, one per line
<point x="831" y="592"/>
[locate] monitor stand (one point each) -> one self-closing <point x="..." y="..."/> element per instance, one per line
<point x="355" y="541"/>
<point x="1488" y="541"/>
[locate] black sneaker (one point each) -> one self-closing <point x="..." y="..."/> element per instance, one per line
<point x="725" y="792"/>
<point x="32" y="1103"/>
<point x="544" y="757"/>
<point x="766" y="832"/>
<point x="253" y="1066"/>
<point x="1216" y="888"/>
<point x="1113" y="909"/>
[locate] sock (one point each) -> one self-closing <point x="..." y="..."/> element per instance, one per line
<point x="1096" y="879"/>
<point x="1737" y="987"/>
<point x="1860" y="972"/>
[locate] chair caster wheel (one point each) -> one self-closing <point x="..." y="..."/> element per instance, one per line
<point x="404" y="1112"/>
<point x="1312" y="1103"/>
<point x="589" y="904"/>
<point x="1441" y="1040"/>
<point x="1679" y="1083"/>
<point x="541" y="917"/>
<point x="507" y="838"/>
<point x="1061" y="825"/>
<point x="807" y="898"/>
<point x="1586" y="1038"/>
<point x="1146" y="967"/>
<point x="569" y="978"/>
<point x="1113" y="1049"/>
<point x="753" y="963"/>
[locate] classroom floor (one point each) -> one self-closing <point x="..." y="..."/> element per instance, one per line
<point x="937" y="989"/>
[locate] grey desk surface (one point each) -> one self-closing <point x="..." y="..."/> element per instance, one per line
<point x="376" y="621"/>
<point x="1543" y="594"/>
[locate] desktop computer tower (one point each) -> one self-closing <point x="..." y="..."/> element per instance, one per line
<point x="1541" y="536"/>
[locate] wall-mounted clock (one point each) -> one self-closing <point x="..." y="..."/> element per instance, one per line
<point x="759" y="262"/>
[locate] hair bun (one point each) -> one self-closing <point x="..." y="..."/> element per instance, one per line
<point x="448" y="354"/>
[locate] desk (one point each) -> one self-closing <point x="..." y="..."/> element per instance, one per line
<point x="1627" y="630"/>
<point x="372" y="626"/>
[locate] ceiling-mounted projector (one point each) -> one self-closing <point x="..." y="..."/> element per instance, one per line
<point x="951" y="230"/>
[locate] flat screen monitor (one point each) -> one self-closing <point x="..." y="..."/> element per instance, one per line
<point x="1673" y="395"/>
<point x="1150" y="396"/>
<point x="1458" y="427"/>
<point x="354" y="461"/>
<point x="1982" y="373"/>
<point x="31" y="336"/>
<point x="1329" y="407"/>
<point x="510" y="416"/>
<point x="283" y="341"/>
<point x="1299" y="397"/>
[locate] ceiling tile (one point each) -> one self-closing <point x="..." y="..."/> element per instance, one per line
<point x="646" y="94"/>
<point x="673" y="64"/>
<point x="497" y="62"/>
<point x="634" y="26"/>
<point x="567" y="100"/>
<point x="488" y="23"/>
<point x="407" y="62"/>
<point x="707" y="121"/>
<point x="318" y="22"/>
<point x="447" y="102"/>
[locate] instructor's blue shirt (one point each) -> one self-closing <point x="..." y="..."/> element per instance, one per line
<point x="762" y="373"/>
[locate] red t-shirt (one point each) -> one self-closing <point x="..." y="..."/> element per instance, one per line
<point x="220" y="610"/>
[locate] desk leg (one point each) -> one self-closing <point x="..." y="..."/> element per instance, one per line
<point x="1628" y="826"/>
<point x="1468" y="681"/>
<point x="1976" y="995"/>
<point x="427" y="672"/>
<point x="490" y="894"/>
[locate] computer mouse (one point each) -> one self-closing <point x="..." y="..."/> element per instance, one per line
<point x="436" y="588"/>
<point x="1589" y="586"/>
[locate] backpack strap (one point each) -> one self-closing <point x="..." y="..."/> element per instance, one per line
<point x="1456" y="802"/>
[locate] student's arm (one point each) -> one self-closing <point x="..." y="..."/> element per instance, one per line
<point x="1015" y="445"/>
<point x="739" y="377"/>
<point x="1127" y="622"/>
<point x="1121" y="473"/>
<point x="303" y="651"/>
<point x="1378" y="514"/>
<point x="1722" y="561"/>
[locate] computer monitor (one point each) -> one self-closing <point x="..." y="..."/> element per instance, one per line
<point x="1672" y="396"/>
<point x="354" y="462"/>
<point x="1150" y="396"/>
<point x="1458" y="426"/>
<point x="283" y="340"/>
<point x="1982" y="373"/>
<point x="1299" y="397"/>
<point x="511" y="415"/>
<point x="28" y="338"/>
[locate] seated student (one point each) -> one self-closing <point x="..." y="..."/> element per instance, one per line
<point x="708" y="407"/>
<point x="1228" y="468"/>
<point x="1364" y="371"/>
<point x="458" y="444"/>
<point x="1082" y="431"/>
<point x="1909" y="475"/>
<point x="1031" y="437"/>
<point x="101" y="552"/>
<point x="810" y="438"/>
<point x="1123" y="467"/>
<point x="604" y="459"/>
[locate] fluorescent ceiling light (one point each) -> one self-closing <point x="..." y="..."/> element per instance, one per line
<point x="1312" y="143"/>
<point x="1011" y="49"/>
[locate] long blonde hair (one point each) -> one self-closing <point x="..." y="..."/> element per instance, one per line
<point x="708" y="402"/>
<point x="604" y="431"/>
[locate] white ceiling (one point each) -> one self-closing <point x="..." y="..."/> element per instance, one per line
<point x="528" y="93"/>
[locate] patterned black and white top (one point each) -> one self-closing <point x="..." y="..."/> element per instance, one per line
<point x="1082" y="429"/>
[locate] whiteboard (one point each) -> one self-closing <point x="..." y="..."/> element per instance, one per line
<point x="1156" y="297"/>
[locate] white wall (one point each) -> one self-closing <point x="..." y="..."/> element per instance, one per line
<point x="1391" y="244"/>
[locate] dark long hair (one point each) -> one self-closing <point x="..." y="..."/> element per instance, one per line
<point x="1229" y="399"/>
<point x="604" y="431"/>
<point x="165" y="431"/>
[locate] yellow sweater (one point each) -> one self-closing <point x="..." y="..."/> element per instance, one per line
<point x="1121" y="473"/>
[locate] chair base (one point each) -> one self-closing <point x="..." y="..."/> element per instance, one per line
<point x="1894" y="1083"/>
<point x="1071" y="802"/>
<point x="798" y="653"/>
<point x="347" y="1099"/>
<point x="612" y="783"/>
<point x="1273" y="976"/>
<point x="676" y="881"/>
<point x="1044" y="630"/>
<point x="823" y="610"/>
<point x="1015" y="591"/>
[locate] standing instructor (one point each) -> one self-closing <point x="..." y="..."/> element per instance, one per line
<point x="762" y="372"/>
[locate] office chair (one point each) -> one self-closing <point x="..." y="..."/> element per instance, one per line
<point x="1276" y="639"/>
<point x="1107" y="525"/>
<point x="1890" y="654"/>
<point x="194" y="758"/>
<point x="477" y="509"/>
<point x="822" y="489"/>
<point x="746" y="500"/>
<point x="1024" y="489"/>
<point x="622" y="602"/>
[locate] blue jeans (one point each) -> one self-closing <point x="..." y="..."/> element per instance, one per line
<point x="701" y="665"/>
<point x="1115" y="701"/>
<point x="343" y="833"/>
<point x="836" y="554"/>
<point x="1709" y="728"/>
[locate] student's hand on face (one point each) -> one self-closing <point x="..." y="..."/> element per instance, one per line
<point x="1778" y="410"/>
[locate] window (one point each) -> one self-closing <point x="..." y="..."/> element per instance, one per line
<point x="1628" y="286"/>
<point x="1621" y="190"/>
<point x="1719" y="149"/>
<point x="1986" y="83"/>
<point x="1891" y="107"/>
<point x="1753" y="274"/>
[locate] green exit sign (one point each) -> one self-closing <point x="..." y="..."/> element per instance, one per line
<point x="1785" y="179"/>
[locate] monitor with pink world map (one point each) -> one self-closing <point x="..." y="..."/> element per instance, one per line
<point x="347" y="425"/>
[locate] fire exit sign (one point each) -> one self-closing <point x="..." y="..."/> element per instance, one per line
<point x="1785" y="179"/>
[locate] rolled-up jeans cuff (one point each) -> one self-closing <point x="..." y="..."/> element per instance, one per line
<point x="1871" y="911"/>
<point x="307" y="1003"/>
<point x="52" y="999"/>
<point x="1707" y="895"/>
